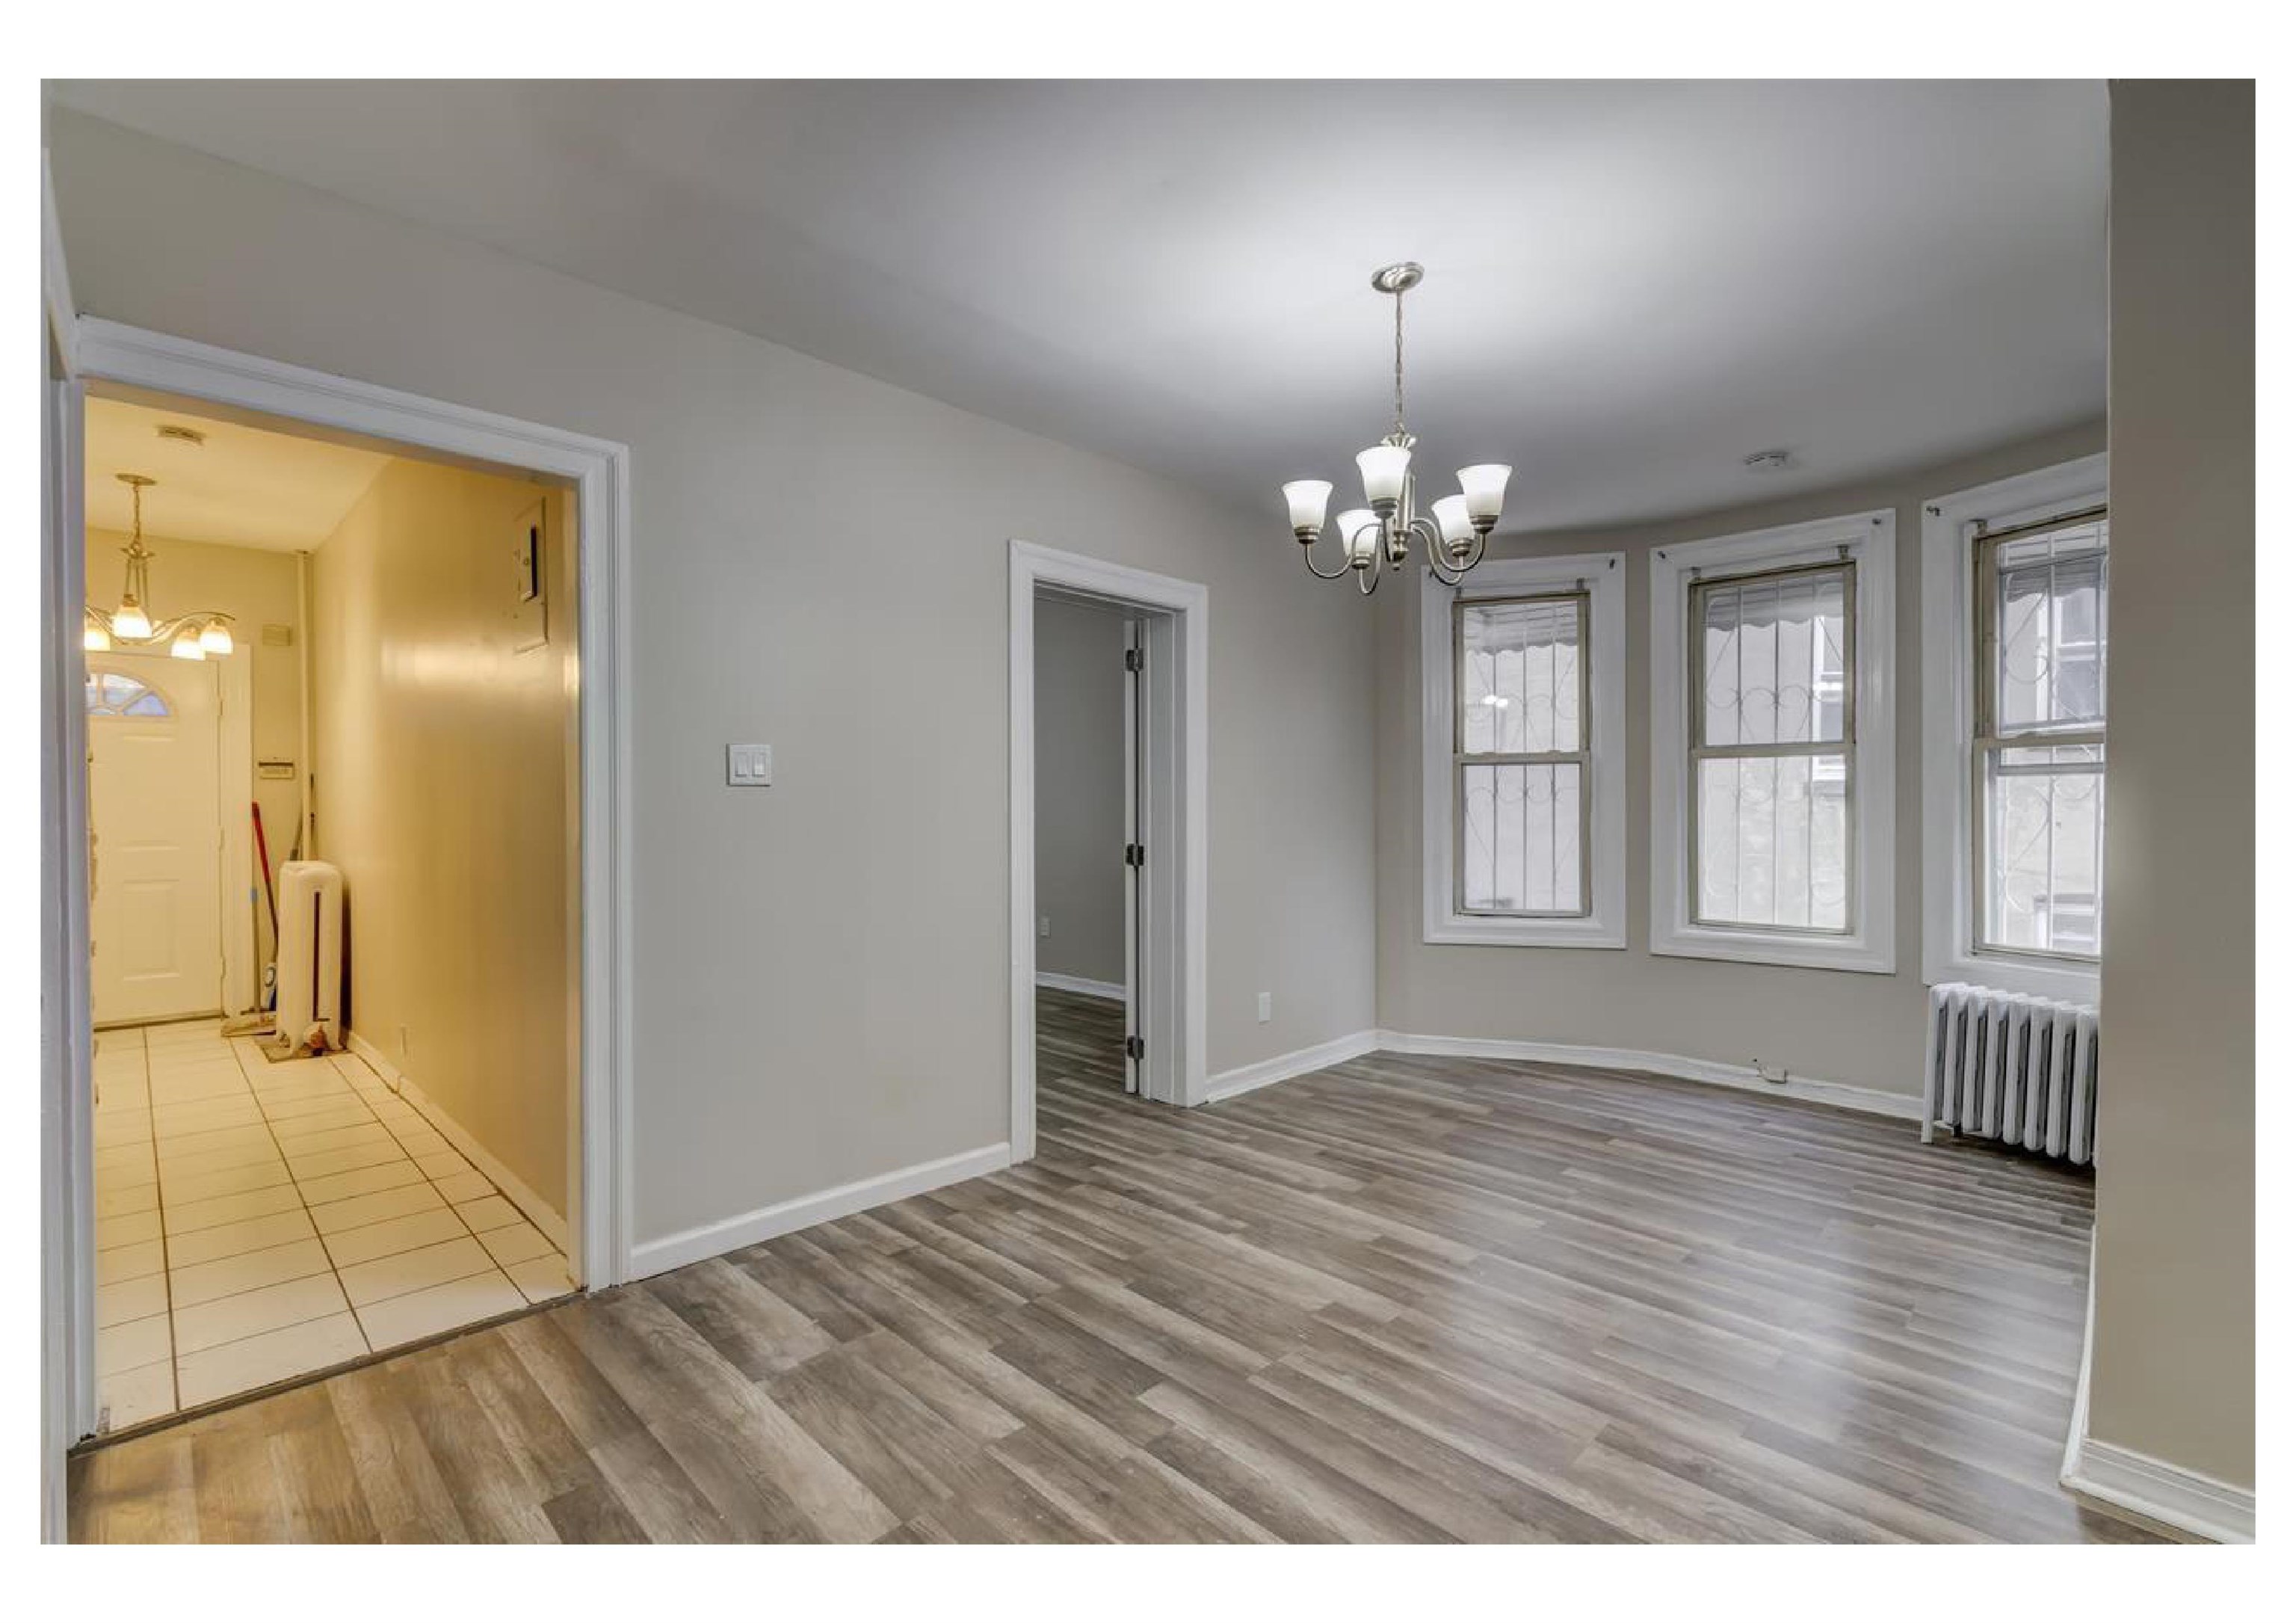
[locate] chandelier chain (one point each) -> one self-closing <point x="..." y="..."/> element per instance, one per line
<point x="1399" y="362"/>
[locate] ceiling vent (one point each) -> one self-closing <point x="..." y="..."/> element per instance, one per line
<point x="1769" y="462"/>
<point x="177" y="431"/>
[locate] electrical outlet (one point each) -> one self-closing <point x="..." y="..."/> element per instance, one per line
<point x="1266" y="1007"/>
<point x="1045" y="925"/>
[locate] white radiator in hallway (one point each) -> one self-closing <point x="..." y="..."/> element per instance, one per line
<point x="2018" y="1069"/>
<point x="310" y="954"/>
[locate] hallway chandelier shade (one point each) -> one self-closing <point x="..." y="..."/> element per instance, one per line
<point x="1458" y="525"/>
<point x="133" y="626"/>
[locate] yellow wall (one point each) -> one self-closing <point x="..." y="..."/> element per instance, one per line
<point x="442" y="769"/>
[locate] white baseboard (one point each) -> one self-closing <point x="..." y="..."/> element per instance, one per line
<point x="2121" y="1481"/>
<point x="538" y="1211"/>
<point x="1283" y="1068"/>
<point x="652" y="1257"/>
<point x="1111" y="990"/>
<point x="1810" y="1090"/>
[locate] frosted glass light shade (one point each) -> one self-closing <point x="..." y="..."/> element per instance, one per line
<point x="1310" y="500"/>
<point x="95" y="639"/>
<point x="216" y="638"/>
<point x="186" y="645"/>
<point x="1484" y="485"/>
<point x="129" y="619"/>
<point x="1359" y="530"/>
<point x="1451" y="518"/>
<point x="1384" y="468"/>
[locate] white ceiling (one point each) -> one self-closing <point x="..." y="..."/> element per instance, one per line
<point x="244" y="487"/>
<point x="1629" y="286"/>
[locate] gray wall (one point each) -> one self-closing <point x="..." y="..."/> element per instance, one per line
<point x="2174" y="1370"/>
<point x="1080" y="789"/>
<point x="821" y="966"/>
<point x="1829" y="1024"/>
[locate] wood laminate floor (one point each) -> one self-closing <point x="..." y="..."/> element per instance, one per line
<point x="1400" y="1299"/>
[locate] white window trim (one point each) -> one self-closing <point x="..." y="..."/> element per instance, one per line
<point x="1870" y="943"/>
<point x="1949" y="839"/>
<point x="1605" y="925"/>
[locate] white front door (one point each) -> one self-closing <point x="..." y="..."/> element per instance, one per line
<point x="155" y="837"/>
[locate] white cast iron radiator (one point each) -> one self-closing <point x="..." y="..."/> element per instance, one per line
<point x="2018" y="1069"/>
<point x="310" y="957"/>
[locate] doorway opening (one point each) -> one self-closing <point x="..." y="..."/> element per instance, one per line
<point x="1109" y="852"/>
<point x="1092" y="853"/>
<point x="333" y="811"/>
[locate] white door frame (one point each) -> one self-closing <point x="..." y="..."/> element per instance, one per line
<point x="1179" y="640"/>
<point x="598" y="470"/>
<point x="67" y="1040"/>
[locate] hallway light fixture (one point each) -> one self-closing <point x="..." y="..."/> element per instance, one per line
<point x="130" y="627"/>
<point x="1383" y="531"/>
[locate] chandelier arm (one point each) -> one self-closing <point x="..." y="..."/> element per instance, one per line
<point x="1431" y="539"/>
<point x="197" y="620"/>
<point x="1367" y="582"/>
<point x="1308" y="556"/>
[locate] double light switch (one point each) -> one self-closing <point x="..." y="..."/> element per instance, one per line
<point x="749" y="766"/>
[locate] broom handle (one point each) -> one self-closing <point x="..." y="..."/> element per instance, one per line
<point x="263" y="855"/>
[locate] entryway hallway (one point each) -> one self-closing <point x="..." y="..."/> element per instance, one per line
<point x="258" y="1221"/>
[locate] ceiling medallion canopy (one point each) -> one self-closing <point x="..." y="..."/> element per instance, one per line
<point x="1457" y="526"/>
<point x="132" y="626"/>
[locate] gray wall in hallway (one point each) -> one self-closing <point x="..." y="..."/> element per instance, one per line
<point x="1080" y="789"/>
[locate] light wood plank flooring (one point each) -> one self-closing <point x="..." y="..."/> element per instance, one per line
<point x="1402" y="1299"/>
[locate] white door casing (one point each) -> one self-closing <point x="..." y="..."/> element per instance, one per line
<point x="1135" y="916"/>
<point x="156" y="842"/>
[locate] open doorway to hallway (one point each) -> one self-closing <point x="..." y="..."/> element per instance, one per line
<point x="1090" y="849"/>
<point x="1149" y="847"/>
<point x="333" y="798"/>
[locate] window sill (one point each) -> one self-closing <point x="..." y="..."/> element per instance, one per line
<point x="1849" y="953"/>
<point x="2064" y="982"/>
<point x="1471" y="930"/>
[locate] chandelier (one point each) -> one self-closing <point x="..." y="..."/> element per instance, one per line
<point x="132" y="626"/>
<point x="1457" y="526"/>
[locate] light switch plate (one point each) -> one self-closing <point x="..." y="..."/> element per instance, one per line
<point x="749" y="766"/>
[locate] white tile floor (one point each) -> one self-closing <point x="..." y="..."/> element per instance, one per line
<point x="256" y="1221"/>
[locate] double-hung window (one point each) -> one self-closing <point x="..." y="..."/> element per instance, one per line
<point x="1770" y="745"/>
<point x="1772" y="717"/>
<point x="1524" y="801"/>
<point x="2039" y="862"/>
<point x="1520" y="766"/>
<point x="2016" y="587"/>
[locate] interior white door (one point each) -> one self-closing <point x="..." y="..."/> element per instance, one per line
<point x="155" y="837"/>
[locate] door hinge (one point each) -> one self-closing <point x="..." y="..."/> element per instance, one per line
<point x="1135" y="1049"/>
<point x="1135" y="659"/>
<point x="1135" y="856"/>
